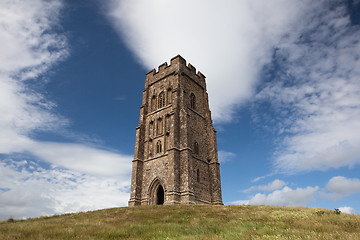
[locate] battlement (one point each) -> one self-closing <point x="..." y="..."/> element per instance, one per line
<point x="175" y="61"/>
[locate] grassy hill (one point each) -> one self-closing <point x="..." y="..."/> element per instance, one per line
<point x="189" y="222"/>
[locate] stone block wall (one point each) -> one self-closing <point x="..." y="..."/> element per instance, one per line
<point x="175" y="158"/>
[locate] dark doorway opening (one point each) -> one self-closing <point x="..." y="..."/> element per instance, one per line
<point x="160" y="195"/>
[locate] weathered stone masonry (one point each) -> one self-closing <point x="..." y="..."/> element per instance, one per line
<point x="176" y="158"/>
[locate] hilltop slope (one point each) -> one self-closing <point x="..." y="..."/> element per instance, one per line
<point x="189" y="222"/>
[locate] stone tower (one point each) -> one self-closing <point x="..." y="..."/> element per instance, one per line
<point x="176" y="158"/>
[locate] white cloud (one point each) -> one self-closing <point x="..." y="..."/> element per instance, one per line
<point x="31" y="190"/>
<point x="229" y="41"/>
<point x="309" y="47"/>
<point x="340" y="187"/>
<point x="82" y="158"/>
<point x="225" y="156"/>
<point x="263" y="177"/>
<point x="348" y="210"/>
<point x="276" y="184"/>
<point x="284" y="197"/>
<point x="240" y="202"/>
<point x="28" y="47"/>
<point x="81" y="177"/>
<point x="316" y="95"/>
<point x="25" y="41"/>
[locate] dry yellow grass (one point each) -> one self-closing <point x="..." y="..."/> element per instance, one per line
<point x="189" y="222"/>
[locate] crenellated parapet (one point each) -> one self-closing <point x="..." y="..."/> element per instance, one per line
<point x="177" y="66"/>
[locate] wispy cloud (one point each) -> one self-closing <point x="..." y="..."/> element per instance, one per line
<point x="66" y="174"/>
<point x="225" y="156"/>
<point x="28" y="48"/>
<point x="276" y="184"/>
<point x="263" y="177"/>
<point x="229" y="41"/>
<point x="83" y="158"/>
<point x="308" y="51"/>
<point x="337" y="187"/>
<point x="239" y="202"/>
<point x="283" y="197"/>
<point x="32" y="190"/>
<point x="316" y="94"/>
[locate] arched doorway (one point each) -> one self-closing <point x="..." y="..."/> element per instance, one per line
<point x="160" y="195"/>
<point x="157" y="192"/>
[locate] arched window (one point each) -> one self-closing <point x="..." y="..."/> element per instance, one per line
<point x="151" y="128"/>
<point x="161" y="100"/>
<point x="198" y="175"/>
<point x="196" y="147"/>
<point x="150" y="148"/>
<point x="160" y="126"/>
<point x="192" y="101"/>
<point x="153" y="103"/>
<point x="168" y="96"/>
<point x="167" y="123"/>
<point x="158" y="147"/>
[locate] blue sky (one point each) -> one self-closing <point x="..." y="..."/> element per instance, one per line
<point x="283" y="83"/>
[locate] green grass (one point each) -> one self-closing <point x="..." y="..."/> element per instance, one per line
<point x="189" y="222"/>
